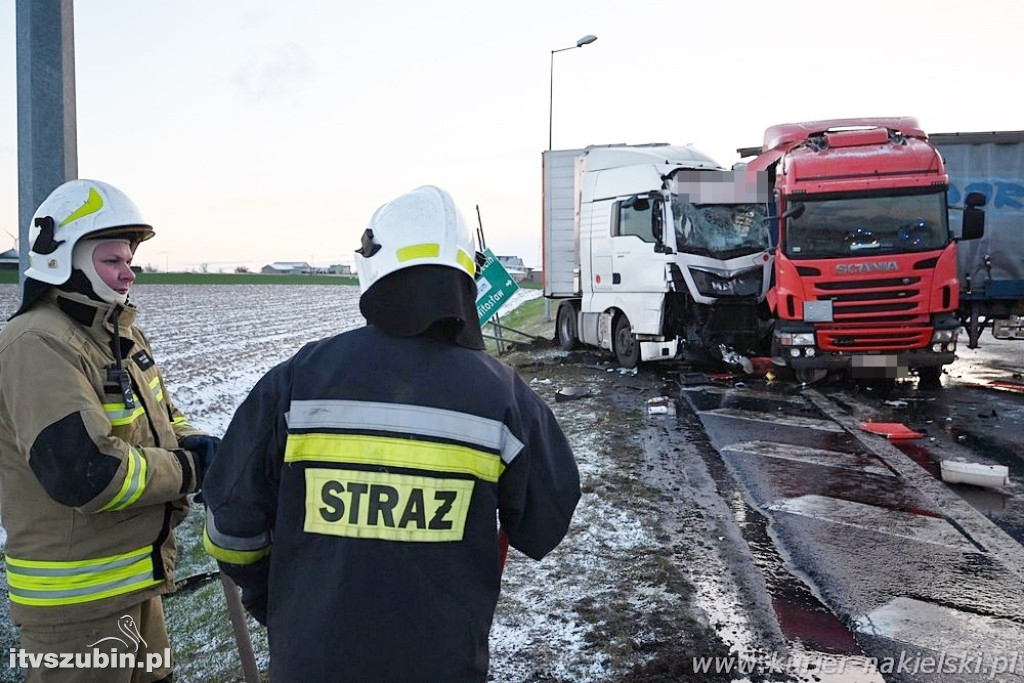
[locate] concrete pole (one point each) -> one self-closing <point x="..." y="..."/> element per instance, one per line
<point x="47" y="126"/>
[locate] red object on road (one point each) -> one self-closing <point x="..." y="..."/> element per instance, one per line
<point x="891" y="430"/>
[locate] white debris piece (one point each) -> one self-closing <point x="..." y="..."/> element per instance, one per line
<point x="957" y="472"/>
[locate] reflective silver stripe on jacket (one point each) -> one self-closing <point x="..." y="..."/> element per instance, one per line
<point x="406" y="419"/>
<point x="239" y="543"/>
<point x="51" y="583"/>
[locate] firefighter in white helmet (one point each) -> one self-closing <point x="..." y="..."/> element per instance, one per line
<point x="95" y="459"/>
<point x="355" y="496"/>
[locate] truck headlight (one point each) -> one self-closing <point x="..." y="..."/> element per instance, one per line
<point x="939" y="336"/>
<point x="795" y="338"/>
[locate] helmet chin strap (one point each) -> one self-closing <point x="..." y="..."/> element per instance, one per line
<point x="81" y="259"/>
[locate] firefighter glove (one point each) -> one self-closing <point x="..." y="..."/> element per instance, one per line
<point x="204" y="450"/>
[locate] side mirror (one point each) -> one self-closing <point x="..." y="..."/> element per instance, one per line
<point x="975" y="199"/>
<point x="973" y="222"/>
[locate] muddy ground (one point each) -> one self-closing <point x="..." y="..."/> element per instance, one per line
<point x="686" y="580"/>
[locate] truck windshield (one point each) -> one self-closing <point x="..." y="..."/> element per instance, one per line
<point x="720" y="230"/>
<point x="867" y="224"/>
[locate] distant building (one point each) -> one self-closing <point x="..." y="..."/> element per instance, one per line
<point x="287" y="268"/>
<point x="303" y="268"/>
<point x="514" y="266"/>
<point x="9" y="260"/>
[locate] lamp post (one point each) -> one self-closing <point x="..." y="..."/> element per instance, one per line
<point x="585" y="40"/>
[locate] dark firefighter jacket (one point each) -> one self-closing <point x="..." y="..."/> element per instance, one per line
<point x="365" y="475"/>
<point x="91" y="482"/>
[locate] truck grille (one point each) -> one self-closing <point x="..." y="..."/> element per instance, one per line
<point x="882" y="300"/>
<point x="874" y="339"/>
<point x="887" y="308"/>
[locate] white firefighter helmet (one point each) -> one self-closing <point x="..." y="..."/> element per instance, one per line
<point x="77" y="210"/>
<point x="421" y="228"/>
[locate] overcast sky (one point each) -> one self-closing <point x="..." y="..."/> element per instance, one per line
<point x="251" y="131"/>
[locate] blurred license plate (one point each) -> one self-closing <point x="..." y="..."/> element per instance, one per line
<point x="880" y="361"/>
<point x="877" y="366"/>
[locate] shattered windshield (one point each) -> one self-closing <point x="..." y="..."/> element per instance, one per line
<point x="867" y="225"/>
<point x="720" y="230"/>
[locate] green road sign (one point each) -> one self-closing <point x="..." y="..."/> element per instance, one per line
<point x="494" y="287"/>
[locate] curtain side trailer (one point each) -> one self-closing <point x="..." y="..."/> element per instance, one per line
<point x="991" y="268"/>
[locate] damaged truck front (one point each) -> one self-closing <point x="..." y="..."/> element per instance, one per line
<point x="866" y="268"/>
<point x="656" y="252"/>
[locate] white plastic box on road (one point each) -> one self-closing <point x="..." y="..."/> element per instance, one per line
<point x="955" y="472"/>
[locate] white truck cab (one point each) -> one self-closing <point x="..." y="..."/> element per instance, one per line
<point x="655" y="250"/>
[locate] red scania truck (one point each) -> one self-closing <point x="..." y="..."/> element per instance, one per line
<point x="865" y="269"/>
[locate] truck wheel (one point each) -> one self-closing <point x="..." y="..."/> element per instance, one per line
<point x="626" y="347"/>
<point x="565" y="327"/>
<point x="928" y="378"/>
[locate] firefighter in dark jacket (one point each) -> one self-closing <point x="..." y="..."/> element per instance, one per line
<point x="356" y="493"/>
<point x="95" y="459"/>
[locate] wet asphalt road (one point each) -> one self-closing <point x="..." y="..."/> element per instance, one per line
<point x="904" y="570"/>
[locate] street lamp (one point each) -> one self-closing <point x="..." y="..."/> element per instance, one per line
<point x="585" y="40"/>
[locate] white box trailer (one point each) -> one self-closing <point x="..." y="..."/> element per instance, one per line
<point x="656" y="252"/>
<point x="991" y="268"/>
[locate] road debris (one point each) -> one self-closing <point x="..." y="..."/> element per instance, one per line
<point x="989" y="476"/>
<point x="891" y="430"/>
<point x="571" y="394"/>
<point x="661" y="405"/>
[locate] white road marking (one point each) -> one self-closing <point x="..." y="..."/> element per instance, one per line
<point x="783" y="420"/>
<point x="816" y="456"/>
<point x="944" y="629"/>
<point x="875" y="519"/>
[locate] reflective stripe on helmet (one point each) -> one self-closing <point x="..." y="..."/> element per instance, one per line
<point x="418" y="251"/>
<point x="50" y="584"/>
<point x="93" y="203"/>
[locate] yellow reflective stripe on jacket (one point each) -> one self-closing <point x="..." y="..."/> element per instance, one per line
<point x="233" y="549"/>
<point x="50" y="584"/>
<point x="120" y="415"/>
<point x="392" y="452"/>
<point x="157" y="388"/>
<point x="404" y="420"/>
<point x="179" y="421"/>
<point x="134" y="482"/>
<point x="232" y="556"/>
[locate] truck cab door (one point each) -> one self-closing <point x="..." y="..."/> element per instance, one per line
<point x="638" y="244"/>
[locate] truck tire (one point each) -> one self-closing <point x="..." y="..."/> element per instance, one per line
<point x="565" y="327"/>
<point x="626" y="347"/>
